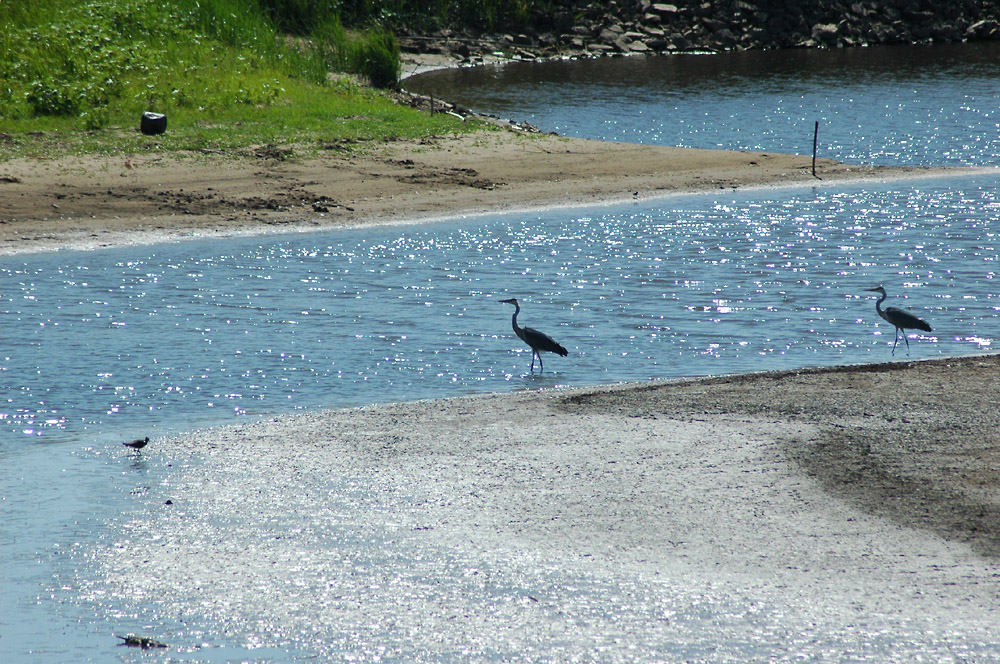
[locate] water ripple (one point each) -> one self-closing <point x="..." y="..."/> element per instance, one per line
<point x="166" y="338"/>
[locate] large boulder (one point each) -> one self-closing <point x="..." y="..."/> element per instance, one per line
<point x="825" y="34"/>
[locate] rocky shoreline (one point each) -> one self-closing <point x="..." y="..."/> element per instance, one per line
<point x="571" y="28"/>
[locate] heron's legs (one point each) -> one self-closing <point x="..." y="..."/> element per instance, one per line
<point x="896" y="341"/>
<point x="541" y="367"/>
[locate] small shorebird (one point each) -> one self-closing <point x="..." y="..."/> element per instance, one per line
<point x="138" y="443"/>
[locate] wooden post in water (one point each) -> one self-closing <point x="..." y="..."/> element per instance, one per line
<point x="815" y="140"/>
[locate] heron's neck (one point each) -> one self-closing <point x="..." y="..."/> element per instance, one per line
<point x="513" y="319"/>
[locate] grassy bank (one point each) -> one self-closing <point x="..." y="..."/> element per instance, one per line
<point x="76" y="75"/>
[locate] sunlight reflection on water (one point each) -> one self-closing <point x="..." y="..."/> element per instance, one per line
<point x="171" y="336"/>
<point x="929" y="105"/>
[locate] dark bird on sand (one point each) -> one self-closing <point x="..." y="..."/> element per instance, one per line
<point x="143" y="642"/>
<point x="900" y="319"/>
<point x="138" y="443"/>
<point x="538" y="341"/>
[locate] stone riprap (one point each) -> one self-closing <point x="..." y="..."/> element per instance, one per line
<point x="578" y="29"/>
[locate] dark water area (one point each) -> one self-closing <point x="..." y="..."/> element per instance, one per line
<point x="913" y="105"/>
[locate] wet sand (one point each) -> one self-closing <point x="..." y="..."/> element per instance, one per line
<point x="828" y="514"/>
<point x="91" y="202"/>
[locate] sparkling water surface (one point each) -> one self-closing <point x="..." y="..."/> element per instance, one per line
<point x="108" y="345"/>
<point x="905" y="105"/>
<point x="160" y="339"/>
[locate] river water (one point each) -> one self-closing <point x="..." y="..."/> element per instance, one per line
<point x="108" y="345"/>
<point x="926" y="105"/>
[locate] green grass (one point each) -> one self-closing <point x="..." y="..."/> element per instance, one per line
<point x="76" y="75"/>
<point x="308" y="117"/>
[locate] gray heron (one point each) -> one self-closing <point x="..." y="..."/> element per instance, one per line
<point x="898" y="318"/>
<point x="538" y="341"/>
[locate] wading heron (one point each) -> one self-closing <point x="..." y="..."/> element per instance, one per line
<point x="900" y="319"/>
<point x="538" y="341"/>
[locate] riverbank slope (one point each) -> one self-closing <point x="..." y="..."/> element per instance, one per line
<point x="90" y="202"/>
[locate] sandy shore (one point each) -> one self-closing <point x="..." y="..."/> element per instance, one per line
<point x="829" y="515"/>
<point x="788" y="514"/>
<point x="94" y="202"/>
